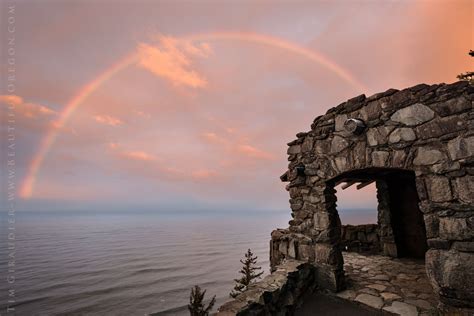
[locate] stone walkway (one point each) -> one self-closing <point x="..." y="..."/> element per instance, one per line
<point x="399" y="286"/>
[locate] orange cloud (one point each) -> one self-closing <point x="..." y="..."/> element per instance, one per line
<point x="139" y="155"/>
<point x="113" y="145"/>
<point x="108" y="120"/>
<point x="132" y="161"/>
<point x="203" y="174"/>
<point x="131" y="154"/>
<point x="170" y="59"/>
<point x="214" y="138"/>
<point x="239" y="145"/>
<point x="142" y="114"/>
<point x="254" y="152"/>
<point x="27" y="109"/>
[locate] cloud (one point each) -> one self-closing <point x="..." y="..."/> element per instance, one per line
<point x="30" y="118"/>
<point x="108" y="120"/>
<point x="142" y="114"/>
<point x="139" y="155"/>
<point x="254" y="152"/>
<point x="133" y="161"/>
<point x="26" y="109"/>
<point x="171" y="60"/>
<point x="237" y="144"/>
<point x="203" y="174"/>
<point x="214" y="138"/>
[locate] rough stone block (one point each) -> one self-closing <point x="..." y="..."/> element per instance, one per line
<point x="453" y="228"/>
<point x="452" y="106"/>
<point x="378" y="135"/>
<point x="441" y="126"/>
<point x="439" y="189"/>
<point x="322" y="220"/>
<point x="432" y="225"/>
<point x="403" y="134"/>
<point x="437" y="243"/>
<point x="308" y="144"/>
<point x="421" y="190"/>
<point x="465" y="189"/>
<point x="340" y="120"/>
<point x="321" y="147"/>
<point x="358" y="155"/>
<point x="464" y="246"/>
<point x="312" y="198"/>
<point x="338" y="144"/>
<point x="460" y="147"/>
<point x="296" y="204"/>
<point x="379" y="158"/>
<point x="342" y="164"/>
<point x="413" y="115"/>
<point x="292" y="249"/>
<point x="283" y="247"/>
<point x="427" y="156"/>
<point x="451" y="274"/>
<point x="328" y="254"/>
<point x="305" y="252"/>
<point x="371" y="111"/>
<point x="295" y="149"/>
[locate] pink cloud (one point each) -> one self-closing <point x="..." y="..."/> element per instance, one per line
<point x="254" y="152"/>
<point x="108" y="120"/>
<point x="214" y="138"/>
<point x="171" y="60"/>
<point x="26" y="109"/>
<point x="133" y="160"/>
<point x="29" y="116"/>
<point x="139" y="155"/>
<point x="237" y="144"/>
<point x="142" y="114"/>
<point x="203" y="174"/>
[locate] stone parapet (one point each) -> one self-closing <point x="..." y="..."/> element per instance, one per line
<point x="360" y="238"/>
<point x="279" y="293"/>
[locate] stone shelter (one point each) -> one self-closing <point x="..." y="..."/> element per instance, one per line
<point x="417" y="145"/>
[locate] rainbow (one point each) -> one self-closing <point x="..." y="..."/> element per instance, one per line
<point x="27" y="187"/>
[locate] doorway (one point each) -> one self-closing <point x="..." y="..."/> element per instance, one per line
<point x="400" y="225"/>
<point x="407" y="220"/>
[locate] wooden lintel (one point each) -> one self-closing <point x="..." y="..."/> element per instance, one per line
<point x="348" y="184"/>
<point x="364" y="184"/>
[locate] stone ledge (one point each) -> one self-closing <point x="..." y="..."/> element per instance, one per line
<point x="279" y="293"/>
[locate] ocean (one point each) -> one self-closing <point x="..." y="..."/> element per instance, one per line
<point x="110" y="263"/>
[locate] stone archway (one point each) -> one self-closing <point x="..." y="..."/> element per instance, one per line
<point x="400" y="225"/>
<point x="426" y="131"/>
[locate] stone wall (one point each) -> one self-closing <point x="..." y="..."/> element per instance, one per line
<point x="279" y="293"/>
<point x="425" y="130"/>
<point x="360" y="238"/>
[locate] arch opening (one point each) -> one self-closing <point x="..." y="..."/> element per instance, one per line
<point x="400" y="229"/>
<point x="386" y="261"/>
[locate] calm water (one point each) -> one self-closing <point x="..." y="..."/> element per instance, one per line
<point x="129" y="264"/>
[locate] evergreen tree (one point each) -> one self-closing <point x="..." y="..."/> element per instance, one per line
<point x="468" y="76"/>
<point x="196" y="305"/>
<point x="249" y="274"/>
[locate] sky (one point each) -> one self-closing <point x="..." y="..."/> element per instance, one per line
<point x="188" y="105"/>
